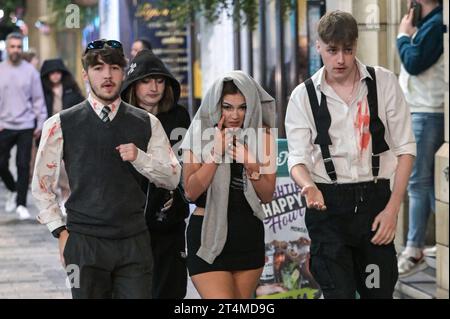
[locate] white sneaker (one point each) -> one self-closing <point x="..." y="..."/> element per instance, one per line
<point x="10" y="204"/>
<point x="430" y="252"/>
<point x="408" y="265"/>
<point x="23" y="212"/>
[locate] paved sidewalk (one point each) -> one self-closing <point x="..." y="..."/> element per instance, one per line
<point x="29" y="263"/>
<point x="29" y="256"/>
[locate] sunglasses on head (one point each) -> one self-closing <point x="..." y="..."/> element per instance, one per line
<point x="100" y="44"/>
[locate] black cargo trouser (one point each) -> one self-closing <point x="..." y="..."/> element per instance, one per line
<point x="343" y="259"/>
<point x="109" y="268"/>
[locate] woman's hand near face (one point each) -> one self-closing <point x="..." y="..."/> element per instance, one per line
<point x="238" y="151"/>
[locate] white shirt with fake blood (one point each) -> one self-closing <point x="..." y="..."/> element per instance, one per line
<point x="351" y="149"/>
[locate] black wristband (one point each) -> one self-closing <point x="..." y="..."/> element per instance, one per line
<point x="58" y="231"/>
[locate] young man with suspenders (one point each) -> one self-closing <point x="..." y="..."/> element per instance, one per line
<point x="349" y="132"/>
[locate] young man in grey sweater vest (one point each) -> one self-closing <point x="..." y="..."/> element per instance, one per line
<point x="108" y="147"/>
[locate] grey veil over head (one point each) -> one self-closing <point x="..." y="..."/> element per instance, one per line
<point x="260" y="110"/>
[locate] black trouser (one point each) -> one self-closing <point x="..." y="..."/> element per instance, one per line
<point x="343" y="260"/>
<point x="23" y="139"/>
<point x="109" y="268"/>
<point x="7" y="178"/>
<point x="169" y="271"/>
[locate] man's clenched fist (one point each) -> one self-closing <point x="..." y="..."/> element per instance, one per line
<point x="128" y="152"/>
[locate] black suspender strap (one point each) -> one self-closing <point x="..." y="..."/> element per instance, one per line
<point x="322" y="119"/>
<point x="376" y="127"/>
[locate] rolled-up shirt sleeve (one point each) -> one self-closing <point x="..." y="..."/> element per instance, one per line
<point x="298" y="131"/>
<point x="46" y="174"/>
<point x="159" y="164"/>
<point x="398" y="119"/>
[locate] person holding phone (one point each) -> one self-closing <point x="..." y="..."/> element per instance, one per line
<point x="422" y="81"/>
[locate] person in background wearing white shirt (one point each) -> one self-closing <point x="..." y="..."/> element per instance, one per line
<point x="349" y="132"/>
<point x="108" y="148"/>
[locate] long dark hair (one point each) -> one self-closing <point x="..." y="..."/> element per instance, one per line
<point x="164" y="105"/>
<point x="67" y="80"/>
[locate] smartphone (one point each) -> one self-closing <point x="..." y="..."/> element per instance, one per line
<point x="417" y="13"/>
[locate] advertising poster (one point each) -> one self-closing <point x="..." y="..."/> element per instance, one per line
<point x="169" y="42"/>
<point x="286" y="272"/>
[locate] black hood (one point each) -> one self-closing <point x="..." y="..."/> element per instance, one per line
<point x="53" y="65"/>
<point x="144" y="64"/>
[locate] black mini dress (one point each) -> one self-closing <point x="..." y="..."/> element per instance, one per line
<point x="244" y="248"/>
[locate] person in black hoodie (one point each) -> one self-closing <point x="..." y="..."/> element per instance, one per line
<point x="150" y="86"/>
<point x="60" y="89"/>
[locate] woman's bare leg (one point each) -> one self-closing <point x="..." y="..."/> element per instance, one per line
<point x="245" y="282"/>
<point x="215" y="285"/>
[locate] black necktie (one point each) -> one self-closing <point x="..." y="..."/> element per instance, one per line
<point x="104" y="115"/>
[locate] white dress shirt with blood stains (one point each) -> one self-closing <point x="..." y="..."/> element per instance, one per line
<point x="159" y="163"/>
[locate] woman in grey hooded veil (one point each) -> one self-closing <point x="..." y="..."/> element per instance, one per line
<point x="229" y="170"/>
